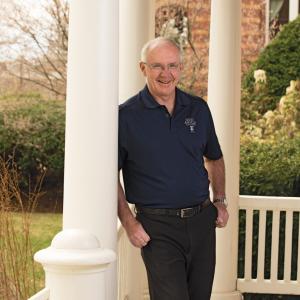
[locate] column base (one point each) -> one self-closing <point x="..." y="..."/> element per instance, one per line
<point x="75" y="266"/>
<point x="236" y="295"/>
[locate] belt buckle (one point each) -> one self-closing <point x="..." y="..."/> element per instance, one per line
<point x="184" y="212"/>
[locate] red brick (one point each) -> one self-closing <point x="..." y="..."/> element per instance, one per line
<point x="198" y="12"/>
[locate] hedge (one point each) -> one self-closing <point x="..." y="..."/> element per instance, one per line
<point x="280" y="60"/>
<point x="269" y="168"/>
<point x="32" y="130"/>
<point x="32" y="133"/>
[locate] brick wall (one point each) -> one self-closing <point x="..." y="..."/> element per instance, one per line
<point x="196" y="52"/>
<point x="195" y="72"/>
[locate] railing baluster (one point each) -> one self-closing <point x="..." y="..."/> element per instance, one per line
<point x="288" y="245"/>
<point x="123" y="261"/>
<point x="261" y="245"/>
<point x="248" y="243"/>
<point x="275" y="243"/>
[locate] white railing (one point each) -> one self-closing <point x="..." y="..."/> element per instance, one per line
<point x="132" y="279"/>
<point x="123" y="261"/>
<point x="275" y="209"/>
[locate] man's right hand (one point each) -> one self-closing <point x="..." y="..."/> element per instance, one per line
<point x="137" y="234"/>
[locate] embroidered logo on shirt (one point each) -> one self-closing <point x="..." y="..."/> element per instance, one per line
<point x="191" y="123"/>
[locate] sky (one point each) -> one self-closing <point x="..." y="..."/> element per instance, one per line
<point x="34" y="8"/>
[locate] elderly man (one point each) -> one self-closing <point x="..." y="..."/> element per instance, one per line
<point x="169" y="153"/>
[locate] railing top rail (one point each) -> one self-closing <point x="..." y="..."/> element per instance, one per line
<point x="269" y="202"/>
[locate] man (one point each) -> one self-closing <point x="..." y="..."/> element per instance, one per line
<point x="164" y="136"/>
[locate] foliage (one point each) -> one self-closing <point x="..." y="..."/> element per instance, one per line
<point x="17" y="276"/>
<point x="280" y="60"/>
<point x="280" y="123"/>
<point x="22" y="233"/>
<point x="270" y="169"/>
<point x="270" y="147"/>
<point x="285" y="120"/>
<point x="32" y="132"/>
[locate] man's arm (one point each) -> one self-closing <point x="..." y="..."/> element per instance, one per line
<point x="216" y="174"/>
<point x="135" y="231"/>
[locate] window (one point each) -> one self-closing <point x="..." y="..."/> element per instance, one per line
<point x="280" y="13"/>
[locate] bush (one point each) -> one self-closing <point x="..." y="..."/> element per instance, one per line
<point x="280" y="60"/>
<point x="270" y="169"/>
<point x="17" y="276"/>
<point x="32" y="132"/>
<point x="280" y="123"/>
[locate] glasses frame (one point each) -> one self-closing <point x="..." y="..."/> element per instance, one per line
<point x="158" y="67"/>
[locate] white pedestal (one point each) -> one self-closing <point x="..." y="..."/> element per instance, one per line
<point x="75" y="266"/>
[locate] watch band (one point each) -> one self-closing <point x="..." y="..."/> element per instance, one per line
<point x="222" y="200"/>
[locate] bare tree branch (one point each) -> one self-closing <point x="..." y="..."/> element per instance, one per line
<point x="39" y="44"/>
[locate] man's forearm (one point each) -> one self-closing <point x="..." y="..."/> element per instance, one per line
<point x="216" y="174"/>
<point x="135" y="231"/>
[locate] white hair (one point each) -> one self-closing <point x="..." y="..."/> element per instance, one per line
<point x="158" y="41"/>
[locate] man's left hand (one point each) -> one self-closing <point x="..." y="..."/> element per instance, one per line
<point x="223" y="215"/>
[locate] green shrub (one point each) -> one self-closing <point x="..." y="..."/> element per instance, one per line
<point x="270" y="169"/>
<point x="280" y="60"/>
<point x="32" y="132"/>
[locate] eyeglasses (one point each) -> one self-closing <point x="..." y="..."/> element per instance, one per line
<point x="159" y="67"/>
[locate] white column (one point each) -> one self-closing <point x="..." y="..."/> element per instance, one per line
<point x="293" y="9"/>
<point x="90" y="186"/>
<point x="137" y="26"/>
<point x="224" y="101"/>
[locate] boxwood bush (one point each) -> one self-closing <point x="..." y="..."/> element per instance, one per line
<point x="269" y="168"/>
<point x="280" y="60"/>
<point x="32" y="132"/>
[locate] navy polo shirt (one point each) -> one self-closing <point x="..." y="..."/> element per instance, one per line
<point x="161" y="156"/>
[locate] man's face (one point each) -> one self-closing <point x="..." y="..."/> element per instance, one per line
<point x="162" y="69"/>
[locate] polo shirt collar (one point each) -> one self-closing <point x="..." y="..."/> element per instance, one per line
<point x="182" y="98"/>
<point x="150" y="102"/>
<point x="148" y="99"/>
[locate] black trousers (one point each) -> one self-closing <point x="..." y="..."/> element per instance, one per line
<point x="180" y="257"/>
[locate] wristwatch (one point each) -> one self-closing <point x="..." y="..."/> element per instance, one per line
<point x="222" y="200"/>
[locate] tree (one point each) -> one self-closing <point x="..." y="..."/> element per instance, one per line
<point x="34" y="42"/>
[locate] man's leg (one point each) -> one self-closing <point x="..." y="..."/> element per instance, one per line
<point x="164" y="257"/>
<point x="201" y="262"/>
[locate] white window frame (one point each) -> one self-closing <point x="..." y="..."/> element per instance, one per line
<point x="293" y="9"/>
<point x="293" y="14"/>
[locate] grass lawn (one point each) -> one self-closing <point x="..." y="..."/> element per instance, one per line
<point x="16" y="259"/>
<point x="44" y="227"/>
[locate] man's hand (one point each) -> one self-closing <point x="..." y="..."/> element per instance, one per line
<point x="134" y="229"/>
<point x="136" y="234"/>
<point x="223" y="215"/>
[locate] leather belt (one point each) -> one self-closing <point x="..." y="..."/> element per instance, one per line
<point x="176" y="212"/>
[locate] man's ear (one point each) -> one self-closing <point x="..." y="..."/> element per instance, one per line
<point x="143" y="68"/>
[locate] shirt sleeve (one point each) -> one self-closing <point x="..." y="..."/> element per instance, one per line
<point x="212" y="150"/>
<point x="122" y="145"/>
